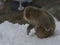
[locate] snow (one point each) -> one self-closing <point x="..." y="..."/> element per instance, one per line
<point x="15" y="34"/>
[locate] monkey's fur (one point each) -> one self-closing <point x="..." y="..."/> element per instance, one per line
<point x="41" y="20"/>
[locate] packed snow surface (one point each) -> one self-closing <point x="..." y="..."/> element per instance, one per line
<point x="15" y="34"/>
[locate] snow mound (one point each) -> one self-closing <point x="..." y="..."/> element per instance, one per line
<point x="15" y="34"/>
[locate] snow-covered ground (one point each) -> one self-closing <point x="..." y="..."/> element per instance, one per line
<point x="15" y="34"/>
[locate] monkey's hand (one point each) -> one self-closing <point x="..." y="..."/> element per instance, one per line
<point x="28" y="32"/>
<point x="29" y="28"/>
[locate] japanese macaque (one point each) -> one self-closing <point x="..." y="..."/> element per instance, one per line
<point x="41" y="20"/>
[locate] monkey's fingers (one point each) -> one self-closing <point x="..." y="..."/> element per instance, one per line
<point x="28" y="32"/>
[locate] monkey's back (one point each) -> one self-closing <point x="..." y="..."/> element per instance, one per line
<point x="46" y="29"/>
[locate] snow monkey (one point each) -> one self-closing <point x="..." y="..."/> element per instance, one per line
<point x="41" y="20"/>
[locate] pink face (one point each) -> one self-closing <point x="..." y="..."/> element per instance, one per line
<point x="27" y="15"/>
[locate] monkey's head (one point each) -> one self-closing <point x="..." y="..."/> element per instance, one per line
<point x="32" y="13"/>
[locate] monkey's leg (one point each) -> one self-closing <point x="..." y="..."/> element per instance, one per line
<point x="29" y="28"/>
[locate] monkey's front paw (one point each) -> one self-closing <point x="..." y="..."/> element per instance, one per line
<point x="27" y="33"/>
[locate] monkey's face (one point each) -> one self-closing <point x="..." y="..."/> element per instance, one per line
<point x="31" y="13"/>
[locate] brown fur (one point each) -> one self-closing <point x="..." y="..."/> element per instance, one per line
<point x="41" y="20"/>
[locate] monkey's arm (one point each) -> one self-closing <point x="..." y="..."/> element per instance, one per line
<point x="29" y="28"/>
